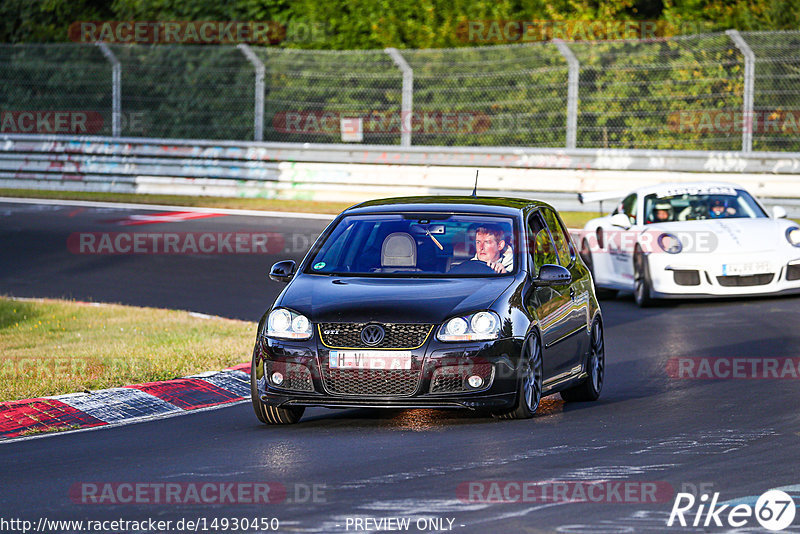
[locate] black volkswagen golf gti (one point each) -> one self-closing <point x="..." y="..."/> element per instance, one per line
<point x="432" y="302"/>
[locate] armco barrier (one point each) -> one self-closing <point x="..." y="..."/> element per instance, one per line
<point x="356" y="172"/>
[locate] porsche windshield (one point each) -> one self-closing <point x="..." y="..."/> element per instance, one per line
<point x="692" y="204"/>
<point x="441" y="245"/>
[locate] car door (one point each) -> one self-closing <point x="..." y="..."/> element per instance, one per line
<point x="577" y="306"/>
<point x="548" y="303"/>
<point x="622" y="241"/>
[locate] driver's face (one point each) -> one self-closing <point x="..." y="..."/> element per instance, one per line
<point x="662" y="215"/>
<point x="718" y="210"/>
<point x="487" y="247"/>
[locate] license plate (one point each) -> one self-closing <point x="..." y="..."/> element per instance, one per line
<point x="737" y="269"/>
<point x="370" y="359"/>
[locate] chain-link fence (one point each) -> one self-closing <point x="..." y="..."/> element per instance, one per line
<point x="724" y="91"/>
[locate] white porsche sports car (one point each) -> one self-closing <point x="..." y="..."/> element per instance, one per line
<point x="688" y="240"/>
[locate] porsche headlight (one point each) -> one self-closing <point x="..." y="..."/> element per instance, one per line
<point x="670" y="244"/>
<point x="286" y="324"/>
<point x="793" y="236"/>
<point x="480" y="326"/>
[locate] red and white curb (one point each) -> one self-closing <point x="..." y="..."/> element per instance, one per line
<point x="118" y="406"/>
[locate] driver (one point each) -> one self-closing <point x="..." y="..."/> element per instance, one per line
<point x="662" y="212"/>
<point x="719" y="208"/>
<point x="491" y="247"/>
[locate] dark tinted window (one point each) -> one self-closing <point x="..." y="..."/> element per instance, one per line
<point x="543" y="250"/>
<point x="409" y="245"/>
<point x="562" y="242"/>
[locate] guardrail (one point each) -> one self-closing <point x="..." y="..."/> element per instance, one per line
<point x="342" y="172"/>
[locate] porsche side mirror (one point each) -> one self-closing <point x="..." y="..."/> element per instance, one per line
<point x="283" y="271"/>
<point x="621" y="220"/>
<point x="778" y="212"/>
<point x="552" y="275"/>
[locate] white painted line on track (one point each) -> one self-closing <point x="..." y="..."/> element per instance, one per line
<point x="162" y="207"/>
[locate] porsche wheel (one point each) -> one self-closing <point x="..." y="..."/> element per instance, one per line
<point x="641" y="280"/>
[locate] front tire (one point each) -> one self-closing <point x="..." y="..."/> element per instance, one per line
<point x="641" y="281"/>
<point x="529" y="391"/>
<point x="269" y="415"/>
<point x="589" y="389"/>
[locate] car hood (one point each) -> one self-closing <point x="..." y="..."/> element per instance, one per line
<point x="362" y="299"/>
<point x="726" y="235"/>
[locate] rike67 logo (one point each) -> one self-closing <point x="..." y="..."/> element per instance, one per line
<point x="774" y="510"/>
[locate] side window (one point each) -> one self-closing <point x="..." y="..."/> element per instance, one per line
<point x="543" y="250"/>
<point x="629" y="207"/>
<point x="562" y="242"/>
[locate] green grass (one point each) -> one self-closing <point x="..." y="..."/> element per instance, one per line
<point x="51" y="347"/>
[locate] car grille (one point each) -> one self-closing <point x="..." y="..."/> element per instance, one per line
<point x="686" y="277"/>
<point x="377" y="382"/>
<point x="453" y="378"/>
<point x="793" y="272"/>
<point x="744" y="281"/>
<point x="398" y="336"/>
<point x="296" y="377"/>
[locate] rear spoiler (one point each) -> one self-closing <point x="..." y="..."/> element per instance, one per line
<point x="600" y="196"/>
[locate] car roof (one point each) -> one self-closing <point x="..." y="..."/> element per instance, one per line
<point x="646" y="190"/>
<point x="454" y="204"/>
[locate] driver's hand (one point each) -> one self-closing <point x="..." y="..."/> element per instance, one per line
<point x="496" y="266"/>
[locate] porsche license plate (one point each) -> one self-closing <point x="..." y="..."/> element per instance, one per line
<point x="370" y="359"/>
<point x="739" y="269"/>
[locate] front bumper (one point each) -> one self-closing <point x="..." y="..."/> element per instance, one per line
<point x="437" y="378"/>
<point x="699" y="275"/>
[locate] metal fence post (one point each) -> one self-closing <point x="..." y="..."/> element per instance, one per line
<point x="116" y="88"/>
<point x="258" y="65"/>
<point x="406" y="104"/>
<point x="572" y="91"/>
<point x="749" y="81"/>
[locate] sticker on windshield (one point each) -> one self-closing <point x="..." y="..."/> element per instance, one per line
<point x="697" y="190"/>
<point x="319" y="265"/>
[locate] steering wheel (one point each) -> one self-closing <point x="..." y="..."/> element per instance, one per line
<point x="472" y="267"/>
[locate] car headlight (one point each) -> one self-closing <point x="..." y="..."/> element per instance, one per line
<point x="670" y="244"/>
<point x="286" y="324"/>
<point x="480" y="326"/>
<point x="793" y="236"/>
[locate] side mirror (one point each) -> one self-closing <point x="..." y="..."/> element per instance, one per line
<point x="552" y="275"/>
<point x="778" y="212"/>
<point x="283" y="271"/>
<point x="621" y="220"/>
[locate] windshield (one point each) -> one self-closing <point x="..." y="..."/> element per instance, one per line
<point x="698" y="203"/>
<point x="428" y="244"/>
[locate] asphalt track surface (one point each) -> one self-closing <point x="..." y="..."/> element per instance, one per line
<point x="736" y="437"/>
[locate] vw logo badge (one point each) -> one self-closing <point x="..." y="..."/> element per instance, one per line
<point x="372" y="334"/>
